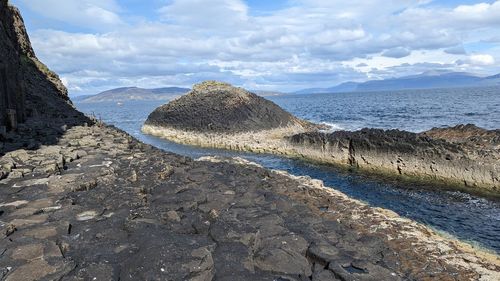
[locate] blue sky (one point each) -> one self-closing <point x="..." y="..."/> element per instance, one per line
<point x="281" y="45"/>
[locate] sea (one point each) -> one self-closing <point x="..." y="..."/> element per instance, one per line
<point x="469" y="217"/>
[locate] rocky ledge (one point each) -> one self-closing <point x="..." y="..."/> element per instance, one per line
<point x="221" y="116"/>
<point x="464" y="155"/>
<point x="99" y="205"/>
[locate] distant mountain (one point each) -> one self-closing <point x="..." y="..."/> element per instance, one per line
<point x="344" y="87"/>
<point x="428" y="80"/>
<point x="133" y="94"/>
<point x="267" y="93"/>
<point x="80" y="98"/>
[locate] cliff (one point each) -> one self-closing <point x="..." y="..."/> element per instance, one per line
<point x="29" y="91"/>
<point x="461" y="157"/>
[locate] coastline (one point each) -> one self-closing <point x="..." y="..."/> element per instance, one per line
<point x="317" y="193"/>
<point x="113" y="193"/>
<point x="81" y="200"/>
<point x="425" y="166"/>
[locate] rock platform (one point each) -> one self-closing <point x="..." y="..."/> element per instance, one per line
<point x="99" y="205"/>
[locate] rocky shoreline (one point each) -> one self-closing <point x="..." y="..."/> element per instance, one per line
<point x="465" y="156"/>
<point x="409" y="155"/>
<point x="106" y="206"/>
<point x="80" y="200"/>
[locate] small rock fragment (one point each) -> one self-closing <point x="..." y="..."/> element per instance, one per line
<point x="173" y="216"/>
<point x="10" y="230"/>
<point x="85" y="216"/>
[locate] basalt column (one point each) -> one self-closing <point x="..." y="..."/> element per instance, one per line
<point x="11" y="100"/>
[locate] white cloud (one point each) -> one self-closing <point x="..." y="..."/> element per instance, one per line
<point x="479" y="13"/>
<point x="482" y="59"/>
<point x="309" y="43"/>
<point x="214" y="14"/>
<point x="97" y="14"/>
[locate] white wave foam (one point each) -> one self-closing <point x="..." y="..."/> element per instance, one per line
<point x="332" y="127"/>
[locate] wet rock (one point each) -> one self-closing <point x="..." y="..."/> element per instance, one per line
<point x="100" y="271"/>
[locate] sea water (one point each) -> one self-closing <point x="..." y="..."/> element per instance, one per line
<point x="468" y="217"/>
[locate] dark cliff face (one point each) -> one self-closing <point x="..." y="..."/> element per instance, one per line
<point x="28" y="89"/>
<point x="34" y="104"/>
<point x="12" y="90"/>
<point x="219" y="107"/>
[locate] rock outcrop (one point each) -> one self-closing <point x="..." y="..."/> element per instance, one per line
<point x="473" y="137"/>
<point x="216" y="107"/>
<point x="463" y="156"/>
<point x="29" y="91"/>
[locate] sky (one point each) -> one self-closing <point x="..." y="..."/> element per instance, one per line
<point x="278" y="45"/>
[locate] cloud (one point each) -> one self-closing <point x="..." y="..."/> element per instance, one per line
<point x="481" y="59"/>
<point x="456" y="50"/>
<point x="397" y="53"/>
<point x="97" y="14"/>
<point x="479" y="13"/>
<point x="307" y="43"/>
<point x="215" y="14"/>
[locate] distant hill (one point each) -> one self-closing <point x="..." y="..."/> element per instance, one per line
<point x="267" y="93"/>
<point x="133" y="94"/>
<point x="428" y="80"/>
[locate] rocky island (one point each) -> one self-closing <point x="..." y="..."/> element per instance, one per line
<point x="219" y="115"/>
<point x="80" y="200"/>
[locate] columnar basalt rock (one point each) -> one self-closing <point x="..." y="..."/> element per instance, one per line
<point x="29" y="91"/>
<point x="429" y="156"/>
<point x="218" y="115"/>
<point x="217" y="107"/>
<point x="96" y="204"/>
<point x="106" y="206"/>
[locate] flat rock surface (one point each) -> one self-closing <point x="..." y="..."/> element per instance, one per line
<point x="99" y="205"/>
